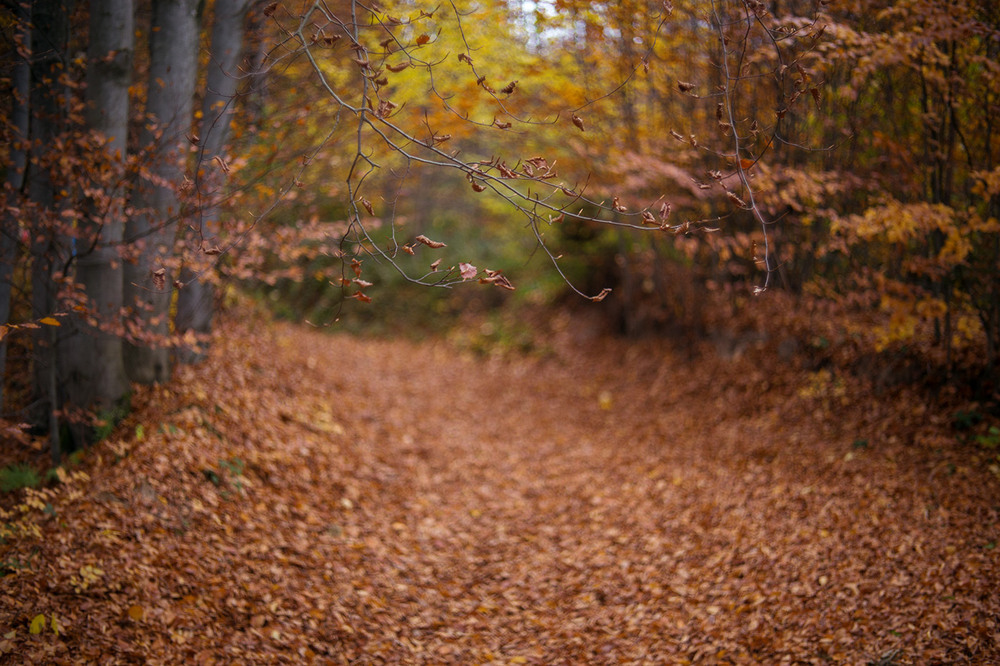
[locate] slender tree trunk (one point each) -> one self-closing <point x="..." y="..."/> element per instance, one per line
<point x="158" y="206"/>
<point x="196" y="299"/>
<point x="9" y="242"/>
<point x="95" y="377"/>
<point x="50" y="21"/>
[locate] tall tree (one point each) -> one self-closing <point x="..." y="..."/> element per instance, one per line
<point x="20" y="94"/>
<point x="195" y="300"/>
<point x="173" y="69"/>
<point x="95" y="371"/>
<point x="50" y="33"/>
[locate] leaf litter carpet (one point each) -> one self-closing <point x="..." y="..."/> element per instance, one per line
<point x="311" y="498"/>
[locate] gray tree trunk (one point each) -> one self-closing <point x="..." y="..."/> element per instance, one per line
<point x="95" y="371"/>
<point x="9" y="242"/>
<point x="196" y="299"/>
<point x="148" y="282"/>
<point x="50" y="28"/>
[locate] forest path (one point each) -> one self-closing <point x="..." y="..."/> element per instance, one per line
<point x="313" y="497"/>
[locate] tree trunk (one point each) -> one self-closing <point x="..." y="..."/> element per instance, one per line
<point x="96" y="376"/>
<point x="50" y="21"/>
<point x="20" y="92"/>
<point x="158" y="206"/>
<point x="196" y="299"/>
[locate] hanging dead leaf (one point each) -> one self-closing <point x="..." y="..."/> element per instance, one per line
<point x="509" y="88"/>
<point x="159" y="278"/>
<point x="49" y="321"/>
<point x="270" y="9"/>
<point x="423" y="39"/>
<point x="435" y="264"/>
<point x="684" y="86"/>
<point x="467" y="271"/>
<point x="578" y="121"/>
<point x="434" y="245"/>
<point x="601" y="296"/>
<point x="367" y="205"/>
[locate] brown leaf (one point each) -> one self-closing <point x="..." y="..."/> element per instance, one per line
<point x="435" y="264"/>
<point x="423" y="39"/>
<point x="270" y="9"/>
<point x="159" y="278"/>
<point x="467" y="271"/>
<point x="509" y="88"/>
<point x="578" y="121"/>
<point x="434" y="245"/>
<point x="684" y="86"/>
<point x="601" y="296"/>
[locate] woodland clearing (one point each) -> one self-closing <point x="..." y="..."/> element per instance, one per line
<point x="303" y="497"/>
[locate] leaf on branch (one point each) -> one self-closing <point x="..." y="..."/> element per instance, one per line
<point x="363" y="284"/>
<point x="500" y="124"/>
<point x="676" y="135"/>
<point x="684" y="86"/>
<point x="398" y="68"/>
<point x="464" y="58"/>
<point x="578" y="121"/>
<point x="222" y="163"/>
<point x="736" y="200"/>
<point x="618" y="206"/>
<point x="368" y="206"/>
<point x="497" y="279"/>
<point x="361" y="296"/>
<point x="423" y="39"/>
<point x="159" y="278"/>
<point x="193" y="139"/>
<point x="814" y="91"/>
<point x="270" y="9"/>
<point x="434" y="266"/>
<point x="434" y="245"/>
<point x="665" y="212"/>
<point x="213" y="251"/>
<point x="601" y="296"/>
<point x="356" y="266"/>
<point x="509" y="88"/>
<point x="476" y="187"/>
<point x="49" y="321"/>
<point x="467" y="271"/>
<point x="647" y="218"/>
<point x="408" y="249"/>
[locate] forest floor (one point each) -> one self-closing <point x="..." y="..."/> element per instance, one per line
<point x="306" y="497"/>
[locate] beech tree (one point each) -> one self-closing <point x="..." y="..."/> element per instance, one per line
<point x="173" y="66"/>
<point x="95" y="376"/>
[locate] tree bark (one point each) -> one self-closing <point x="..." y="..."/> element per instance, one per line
<point x="148" y="282"/>
<point x="96" y="376"/>
<point x="50" y="28"/>
<point x="9" y="242"/>
<point x="196" y="299"/>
